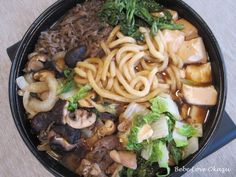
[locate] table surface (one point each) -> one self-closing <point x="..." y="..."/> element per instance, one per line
<point x="16" y="17"/>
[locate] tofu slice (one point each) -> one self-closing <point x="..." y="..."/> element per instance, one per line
<point x="174" y="38"/>
<point x="193" y="51"/>
<point x="175" y="15"/>
<point x="199" y="73"/>
<point x="189" y="30"/>
<point x="197" y="115"/>
<point x="202" y="96"/>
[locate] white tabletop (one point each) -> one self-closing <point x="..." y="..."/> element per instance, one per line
<point x="16" y="16"/>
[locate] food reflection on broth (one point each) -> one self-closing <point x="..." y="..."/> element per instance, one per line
<point x="117" y="94"/>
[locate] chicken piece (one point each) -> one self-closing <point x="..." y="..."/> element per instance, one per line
<point x="199" y="73"/>
<point x="174" y="38"/>
<point x="193" y="51"/>
<point x="203" y="96"/>
<point x="197" y="115"/>
<point x="189" y="30"/>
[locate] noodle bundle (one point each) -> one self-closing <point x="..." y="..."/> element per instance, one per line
<point x="129" y="70"/>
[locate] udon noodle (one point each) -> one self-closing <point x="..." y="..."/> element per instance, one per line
<point x="128" y="71"/>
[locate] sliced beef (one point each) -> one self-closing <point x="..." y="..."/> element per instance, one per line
<point x="100" y="153"/>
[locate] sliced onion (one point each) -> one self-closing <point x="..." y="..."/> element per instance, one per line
<point x="22" y="83"/>
<point x="67" y="95"/>
<point x="38" y="87"/>
<point x="29" y="78"/>
<point x="26" y="98"/>
<point x="46" y="105"/>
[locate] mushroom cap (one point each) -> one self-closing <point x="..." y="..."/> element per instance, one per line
<point x="59" y="144"/>
<point x="35" y="62"/>
<point x="82" y="119"/>
<point x="74" y="55"/>
<point x="68" y="133"/>
<point x="42" y="120"/>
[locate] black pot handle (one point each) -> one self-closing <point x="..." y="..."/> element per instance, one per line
<point x="11" y="51"/>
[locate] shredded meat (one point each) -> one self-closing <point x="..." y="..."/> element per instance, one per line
<point x="80" y="26"/>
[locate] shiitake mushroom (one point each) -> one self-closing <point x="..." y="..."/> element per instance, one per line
<point x="42" y="120"/>
<point x="74" y="55"/>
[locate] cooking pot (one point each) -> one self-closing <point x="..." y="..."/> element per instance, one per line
<point x="59" y="9"/>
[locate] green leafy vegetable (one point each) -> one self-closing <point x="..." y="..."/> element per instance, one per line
<point x="73" y="101"/>
<point x="160" y="154"/>
<point x="110" y="108"/>
<point x="147" y="151"/>
<point x="176" y="153"/>
<point x="68" y="73"/>
<point x="191" y="148"/>
<point x="130" y="172"/>
<point x="160" y="128"/>
<point x="138" y="123"/>
<point x="187" y="130"/>
<point x="165" y="105"/>
<point x="159" y="105"/>
<point x="151" y="5"/>
<point x="72" y="106"/>
<point x="171" y="124"/>
<point x="68" y="84"/>
<point x="144" y="169"/>
<point x="131" y="14"/>
<point x="179" y="139"/>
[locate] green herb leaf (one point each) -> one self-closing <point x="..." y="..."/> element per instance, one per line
<point x="151" y="5"/>
<point x="73" y="101"/>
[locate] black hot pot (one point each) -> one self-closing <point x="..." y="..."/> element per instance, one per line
<point x="56" y="11"/>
